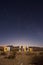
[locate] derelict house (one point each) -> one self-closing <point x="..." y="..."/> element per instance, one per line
<point x="8" y="48"/>
<point x="35" y="49"/>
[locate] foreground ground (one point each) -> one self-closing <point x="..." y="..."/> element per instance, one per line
<point x="21" y="59"/>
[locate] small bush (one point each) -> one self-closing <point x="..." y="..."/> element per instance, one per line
<point x="3" y="53"/>
<point x="18" y="53"/>
<point x="10" y="55"/>
<point x="29" y="53"/>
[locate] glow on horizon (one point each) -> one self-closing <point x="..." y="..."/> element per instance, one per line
<point x="21" y="43"/>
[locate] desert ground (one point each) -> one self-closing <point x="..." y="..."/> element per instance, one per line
<point x="20" y="59"/>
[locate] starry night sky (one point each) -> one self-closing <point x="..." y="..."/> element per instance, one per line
<point x="21" y="22"/>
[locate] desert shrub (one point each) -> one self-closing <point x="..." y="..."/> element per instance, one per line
<point x="3" y="53"/>
<point x="0" y="52"/>
<point x="37" y="60"/>
<point x="14" y="53"/>
<point x="29" y="53"/>
<point x="18" y="53"/>
<point x="10" y="55"/>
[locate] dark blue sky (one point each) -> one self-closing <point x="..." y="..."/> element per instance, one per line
<point x="21" y="21"/>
